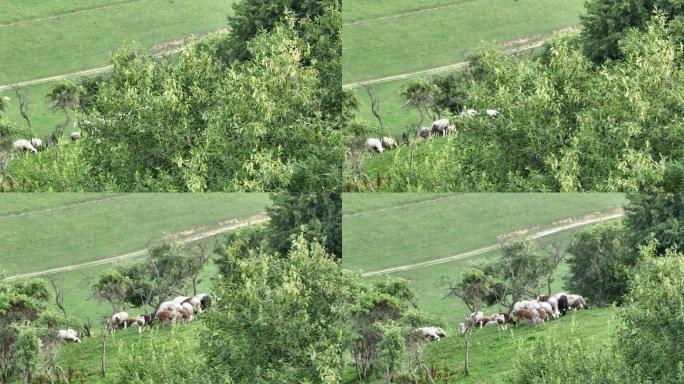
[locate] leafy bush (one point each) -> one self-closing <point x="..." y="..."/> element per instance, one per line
<point x="599" y="266"/>
<point x="564" y="123"/>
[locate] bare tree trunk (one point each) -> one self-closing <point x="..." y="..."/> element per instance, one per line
<point x="103" y="362"/>
<point x="467" y="347"/>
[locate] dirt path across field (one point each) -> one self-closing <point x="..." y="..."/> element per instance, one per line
<point x="436" y="70"/>
<point x="227" y="227"/>
<point x="546" y="232"/>
<point x="69" y="13"/>
<point x="106" y="68"/>
<point x="61" y="207"/>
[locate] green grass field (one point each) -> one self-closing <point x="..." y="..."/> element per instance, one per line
<point x="460" y="222"/>
<point x="43" y="39"/>
<point x="382" y="46"/>
<point x="384" y="230"/>
<point x="39" y="239"/>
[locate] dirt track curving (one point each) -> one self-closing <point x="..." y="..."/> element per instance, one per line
<point x="479" y="251"/>
<point x="234" y="224"/>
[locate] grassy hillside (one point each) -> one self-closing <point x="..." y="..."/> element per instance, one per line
<point x="396" y="233"/>
<point x="409" y="40"/>
<point x="382" y="230"/>
<point x="43" y="39"/>
<point x="86" y="355"/>
<point x="43" y="231"/>
<point x="106" y="228"/>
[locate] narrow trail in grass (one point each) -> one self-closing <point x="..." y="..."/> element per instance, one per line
<point x="432" y="71"/>
<point x="479" y="251"/>
<point x="98" y="70"/>
<point x="70" y="13"/>
<point x="234" y="224"/>
<point x="407" y="13"/>
<point x="400" y="206"/>
<point x="61" y="207"/>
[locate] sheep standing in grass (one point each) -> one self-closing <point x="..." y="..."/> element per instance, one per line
<point x="424" y="132"/>
<point x="440" y="127"/>
<point x="75" y="136"/>
<point x="68" y="335"/>
<point x="23" y="145"/>
<point x="389" y="143"/>
<point x="375" y="145"/>
<point x="37" y="143"/>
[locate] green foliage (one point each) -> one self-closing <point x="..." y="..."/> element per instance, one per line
<point x="650" y="337"/>
<point x="26" y="357"/>
<point x="278" y="318"/>
<point x="112" y="287"/>
<point x="378" y="322"/>
<point x="195" y="124"/>
<point x="318" y="217"/>
<point x="147" y="360"/>
<point x="552" y="359"/>
<point x="599" y="264"/>
<point x="564" y="123"/>
<point x="659" y="216"/>
<point x="23" y="318"/>
<point x="605" y="23"/>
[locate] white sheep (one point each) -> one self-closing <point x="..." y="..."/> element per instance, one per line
<point x="374" y="144"/>
<point x="389" y="143"/>
<point x="440" y="127"/>
<point x="37" y="143"/>
<point x="75" y="136"/>
<point x="23" y="145"/>
<point x="68" y="335"/>
<point x="492" y="112"/>
<point x="435" y="333"/>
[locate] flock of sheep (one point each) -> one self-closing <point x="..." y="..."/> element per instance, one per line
<point x="529" y="312"/>
<point x="181" y="309"/>
<point x="36" y="144"/>
<point x="440" y="128"/>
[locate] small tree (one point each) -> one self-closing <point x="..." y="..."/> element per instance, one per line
<point x="522" y="267"/>
<point x="475" y="287"/>
<point x="64" y="96"/>
<point x="111" y="287"/>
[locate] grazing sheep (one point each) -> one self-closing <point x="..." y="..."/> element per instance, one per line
<point x="431" y="333"/>
<point x="68" y="335"/>
<point x="526" y="304"/>
<point x="183" y="316"/>
<point x="23" y="145"/>
<point x="170" y="305"/>
<point x="424" y="132"/>
<point x="75" y="136"/>
<point x="530" y="317"/>
<point x="37" y="143"/>
<point x="563" y="305"/>
<point x="503" y="319"/>
<point x="165" y="316"/>
<point x="389" y="143"/>
<point x="118" y="319"/>
<point x="374" y="144"/>
<point x="553" y="301"/>
<point x="492" y="112"/>
<point x="196" y="303"/>
<point x="188" y="307"/>
<point x="475" y="317"/>
<point x="546" y="307"/>
<point x="577" y="302"/>
<point x="468" y="113"/>
<point x="440" y="127"/>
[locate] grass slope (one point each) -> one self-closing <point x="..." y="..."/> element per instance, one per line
<point x="381" y="47"/>
<point x="41" y="240"/>
<point x="43" y="117"/>
<point x="402" y="234"/>
<point x="12" y="11"/>
<point x="404" y="228"/>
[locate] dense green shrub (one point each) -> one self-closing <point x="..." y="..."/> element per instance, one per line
<point x="650" y="338"/>
<point x="564" y="123"/>
<point x="599" y="264"/>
